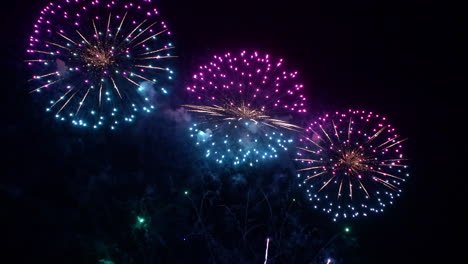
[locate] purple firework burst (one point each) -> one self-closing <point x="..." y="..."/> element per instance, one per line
<point x="244" y="104"/>
<point x="98" y="63"/>
<point x="352" y="163"/>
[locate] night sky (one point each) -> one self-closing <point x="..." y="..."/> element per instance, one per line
<point x="70" y="195"/>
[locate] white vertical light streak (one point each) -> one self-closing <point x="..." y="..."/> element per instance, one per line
<point x="266" y="250"/>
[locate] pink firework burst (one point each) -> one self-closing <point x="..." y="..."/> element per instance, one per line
<point x="351" y="163"/>
<point x="245" y="102"/>
<point x="99" y="63"/>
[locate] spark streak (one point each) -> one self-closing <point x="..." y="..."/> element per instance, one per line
<point x="231" y="112"/>
<point x="82" y="101"/>
<point x="45" y="85"/>
<point x="60" y="99"/>
<point x="132" y="81"/>
<point x="115" y="86"/>
<point x="373" y="176"/>
<point x="150" y="37"/>
<point x="150" y="67"/>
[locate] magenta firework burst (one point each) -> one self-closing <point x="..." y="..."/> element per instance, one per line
<point x="244" y="105"/>
<point x="351" y="163"/>
<point x="98" y="63"/>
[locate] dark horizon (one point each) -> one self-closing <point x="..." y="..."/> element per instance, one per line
<point x="384" y="57"/>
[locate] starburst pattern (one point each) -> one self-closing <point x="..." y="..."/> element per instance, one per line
<point x="352" y="163"/>
<point x="99" y="63"/>
<point x="244" y="105"/>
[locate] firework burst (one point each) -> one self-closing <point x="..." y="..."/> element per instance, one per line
<point x="244" y="104"/>
<point x="99" y="63"/>
<point x="351" y="163"/>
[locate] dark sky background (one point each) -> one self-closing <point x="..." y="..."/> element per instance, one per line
<point x="391" y="58"/>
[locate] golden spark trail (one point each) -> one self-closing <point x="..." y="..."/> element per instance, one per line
<point x="308" y="160"/>
<point x="336" y="132"/>
<point x="398" y="142"/>
<point x="151" y="67"/>
<point x="61" y="98"/>
<point x="230" y="112"/>
<point x="393" y="160"/>
<point x="389" y="185"/>
<point x="326" y="134"/>
<point x="154" y="51"/>
<point x="308" y="150"/>
<point x="349" y="128"/>
<point x="115" y="86"/>
<point x="142" y="77"/>
<point x="390" y="140"/>
<point x="315" y="175"/>
<point x="66" y="102"/>
<point x="83" y="37"/>
<point x="339" y="189"/>
<point x="362" y="185"/>
<point x="133" y="31"/>
<point x="95" y="30"/>
<point x="65" y="37"/>
<point x="120" y="26"/>
<point x="46" y="85"/>
<point x="130" y="80"/>
<point x="139" y="34"/>
<point x="44" y="52"/>
<point x="377" y="134"/>
<point x="157" y="57"/>
<point x="108" y="23"/>
<point x="45" y="75"/>
<point x="391" y="165"/>
<point x="40" y="60"/>
<point x="82" y="101"/>
<point x="316" y="144"/>
<point x="150" y="37"/>
<point x="100" y="91"/>
<point x="55" y="44"/>
<point x="327" y="182"/>
<point x="386" y="174"/>
<point x="311" y="168"/>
